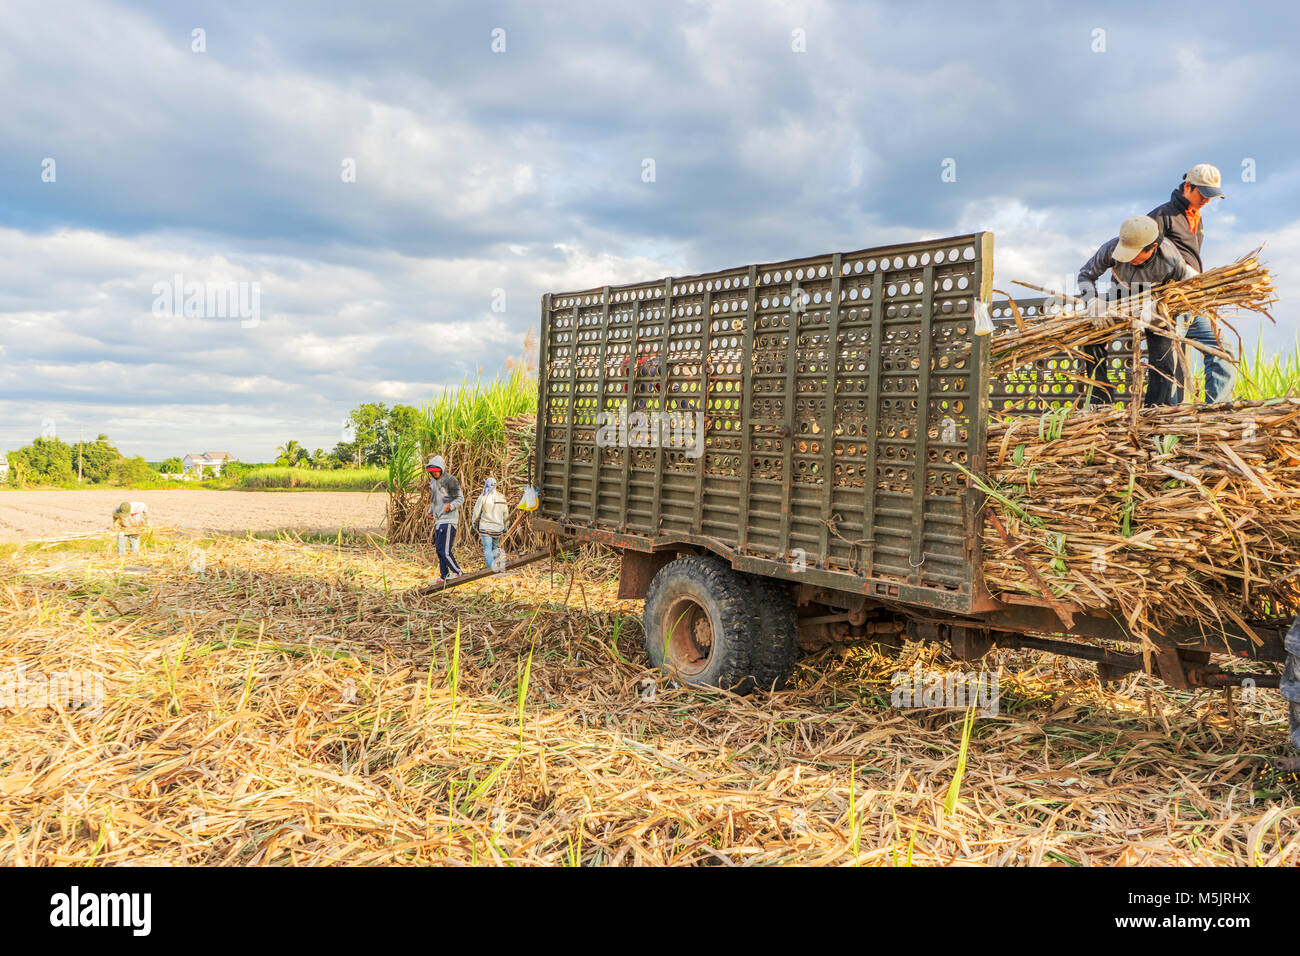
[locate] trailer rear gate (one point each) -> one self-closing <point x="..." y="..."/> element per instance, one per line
<point x="851" y="385"/>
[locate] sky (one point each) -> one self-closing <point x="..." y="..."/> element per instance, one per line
<point x="387" y="189"/>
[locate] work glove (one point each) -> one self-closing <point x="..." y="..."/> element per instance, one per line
<point x="1096" y="311"/>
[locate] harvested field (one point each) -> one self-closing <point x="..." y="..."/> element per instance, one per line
<point x="47" y="514"/>
<point x="285" y="703"/>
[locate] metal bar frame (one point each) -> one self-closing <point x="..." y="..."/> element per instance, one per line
<point x="828" y="420"/>
<point x="666" y="315"/>
<point x="921" y="460"/>
<point x="600" y="407"/>
<point x="873" y="422"/>
<point x="746" y="400"/>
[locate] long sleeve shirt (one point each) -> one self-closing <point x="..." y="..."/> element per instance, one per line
<point x="445" y="491"/>
<point x="491" y="512"/>
<point x="1164" y="265"/>
<point x="1185" y="231"/>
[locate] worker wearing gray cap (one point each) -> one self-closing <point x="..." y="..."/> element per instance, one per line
<point x="1139" y="261"/>
<point x="1180" y="222"/>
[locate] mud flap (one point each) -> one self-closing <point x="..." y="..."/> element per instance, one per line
<point x="1291" y="680"/>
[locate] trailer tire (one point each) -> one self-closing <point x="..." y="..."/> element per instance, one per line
<point x="776" y="641"/>
<point x="700" y="623"/>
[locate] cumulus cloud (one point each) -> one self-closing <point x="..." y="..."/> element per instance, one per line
<point x="484" y="179"/>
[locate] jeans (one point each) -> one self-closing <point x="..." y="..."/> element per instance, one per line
<point x="122" y="540"/>
<point x="444" y="537"/>
<point x="1162" y="356"/>
<point x="1097" y="368"/>
<point x="491" y="552"/>
<point x="1218" y="373"/>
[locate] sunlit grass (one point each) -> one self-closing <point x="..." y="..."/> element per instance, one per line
<point x="474" y="413"/>
<point x="341" y="479"/>
<point x="466" y="425"/>
<point x="1269" y="374"/>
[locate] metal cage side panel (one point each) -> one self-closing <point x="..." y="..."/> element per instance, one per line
<point x="811" y="419"/>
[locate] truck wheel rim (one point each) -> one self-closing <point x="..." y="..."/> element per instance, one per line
<point x="688" y="637"/>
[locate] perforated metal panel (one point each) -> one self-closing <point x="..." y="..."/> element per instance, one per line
<point x="1053" y="383"/>
<point x="841" y="398"/>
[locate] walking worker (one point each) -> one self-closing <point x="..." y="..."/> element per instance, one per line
<point x="444" y="509"/>
<point x="1139" y="261"/>
<point x="131" y="519"/>
<point x="489" y="517"/>
<point x="1180" y="222"/>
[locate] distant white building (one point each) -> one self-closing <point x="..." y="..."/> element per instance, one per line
<point x="4" y="467"/>
<point x="195" y="462"/>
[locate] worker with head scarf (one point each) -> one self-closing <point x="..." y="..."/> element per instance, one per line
<point x="489" y="517"/>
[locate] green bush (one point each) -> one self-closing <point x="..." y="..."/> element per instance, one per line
<point x="132" y="471"/>
<point x="44" y="461"/>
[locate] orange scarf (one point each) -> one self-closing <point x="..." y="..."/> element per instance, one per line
<point x="1194" y="219"/>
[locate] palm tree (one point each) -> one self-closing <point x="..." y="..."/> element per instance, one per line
<point x="291" y="452"/>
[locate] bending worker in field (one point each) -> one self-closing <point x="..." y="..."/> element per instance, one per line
<point x="130" y="519"/>
<point x="491" y="512"/>
<point x="1180" y="222"/>
<point x="444" y="509"/>
<point x="1139" y="260"/>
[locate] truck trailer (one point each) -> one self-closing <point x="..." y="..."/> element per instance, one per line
<point x="789" y="452"/>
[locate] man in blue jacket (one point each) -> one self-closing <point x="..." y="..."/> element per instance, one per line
<point x="1180" y="222"/>
<point x="1139" y="261"/>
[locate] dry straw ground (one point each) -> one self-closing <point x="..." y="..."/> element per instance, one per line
<point x="281" y="702"/>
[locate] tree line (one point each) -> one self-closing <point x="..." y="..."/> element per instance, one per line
<point x="53" y="461"/>
<point x="374" y="428"/>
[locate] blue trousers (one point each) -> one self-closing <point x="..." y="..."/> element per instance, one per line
<point x="1218" y="373"/>
<point x="444" y="537"/>
<point x="491" y="552"/>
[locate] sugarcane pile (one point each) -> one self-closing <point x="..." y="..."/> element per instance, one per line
<point x="409" y="498"/>
<point x="1192" y="513"/>
<point x="1244" y="284"/>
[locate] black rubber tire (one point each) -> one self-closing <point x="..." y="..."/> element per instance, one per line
<point x="722" y="595"/>
<point x="776" y="642"/>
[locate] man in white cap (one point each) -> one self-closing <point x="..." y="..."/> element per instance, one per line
<point x="446" y="499"/>
<point x="1139" y="260"/>
<point x="1180" y="222"/>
